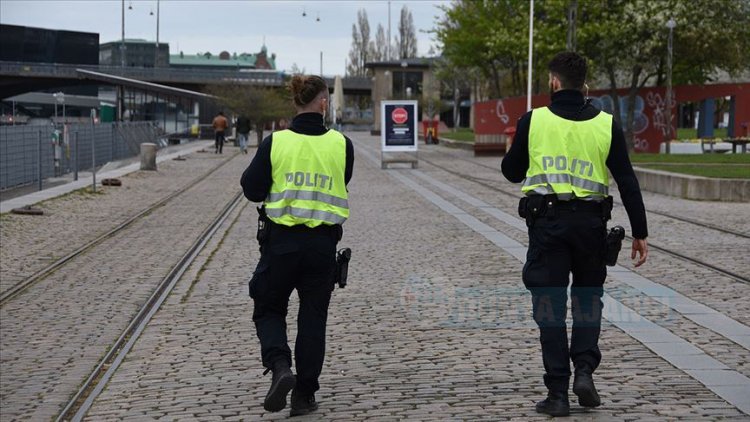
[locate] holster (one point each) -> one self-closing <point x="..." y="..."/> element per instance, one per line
<point x="613" y="245"/>
<point x="342" y="267"/>
<point x="264" y="226"/>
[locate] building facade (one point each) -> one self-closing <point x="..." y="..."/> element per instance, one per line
<point x="137" y="53"/>
<point x="224" y="61"/>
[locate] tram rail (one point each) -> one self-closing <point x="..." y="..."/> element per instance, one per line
<point x="663" y="214"/>
<point x="678" y="255"/>
<point x="16" y="289"/>
<point x="81" y="402"/>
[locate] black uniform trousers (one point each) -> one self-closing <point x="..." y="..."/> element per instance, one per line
<point x="302" y="259"/>
<point x="219" y="141"/>
<point x="571" y="241"/>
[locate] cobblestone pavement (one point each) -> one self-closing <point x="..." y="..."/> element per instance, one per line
<point x="30" y="243"/>
<point x="55" y="332"/>
<point x="717" y="248"/>
<point x="433" y="326"/>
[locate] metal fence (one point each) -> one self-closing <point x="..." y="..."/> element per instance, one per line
<point x="30" y="152"/>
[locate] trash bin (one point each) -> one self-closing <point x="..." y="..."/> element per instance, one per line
<point x="148" y="156"/>
<point x="430" y="130"/>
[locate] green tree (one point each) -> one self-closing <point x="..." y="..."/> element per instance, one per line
<point x="453" y="80"/>
<point x="492" y="37"/>
<point x="262" y="105"/>
<point x="627" y="41"/>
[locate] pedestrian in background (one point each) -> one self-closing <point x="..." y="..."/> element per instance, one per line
<point x="561" y="153"/>
<point x="220" y="124"/>
<point x="301" y="174"/>
<point x="243" y="129"/>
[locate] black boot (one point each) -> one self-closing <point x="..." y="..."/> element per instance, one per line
<point x="283" y="380"/>
<point x="556" y="404"/>
<point x="583" y="387"/>
<point x="302" y="404"/>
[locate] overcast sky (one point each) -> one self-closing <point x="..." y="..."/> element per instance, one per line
<point x="233" y="25"/>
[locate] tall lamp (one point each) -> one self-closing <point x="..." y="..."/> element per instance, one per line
<point x="669" y="135"/>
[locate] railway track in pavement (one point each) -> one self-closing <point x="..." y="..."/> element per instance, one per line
<point x="17" y="288"/>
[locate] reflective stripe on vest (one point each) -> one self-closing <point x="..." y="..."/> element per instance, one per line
<point x="309" y="195"/>
<point x="308" y="186"/>
<point x="568" y="157"/>
<point x="305" y="213"/>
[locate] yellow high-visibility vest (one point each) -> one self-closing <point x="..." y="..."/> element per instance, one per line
<point x="567" y="157"/>
<point x="308" y="179"/>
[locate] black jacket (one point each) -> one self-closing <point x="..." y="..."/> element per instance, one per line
<point x="569" y="104"/>
<point x="257" y="179"/>
<point x="243" y="125"/>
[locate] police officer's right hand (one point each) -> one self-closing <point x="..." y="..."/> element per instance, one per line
<point x="640" y="247"/>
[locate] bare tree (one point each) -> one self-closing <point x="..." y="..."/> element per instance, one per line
<point x="407" y="35"/>
<point x="296" y="70"/>
<point x="379" y="47"/>
<point x="359" y="53"/>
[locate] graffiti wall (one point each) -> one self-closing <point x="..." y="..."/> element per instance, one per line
<point x="650" y="125"/>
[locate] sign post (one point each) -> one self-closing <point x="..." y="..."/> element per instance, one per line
<point x="398" y="132"/>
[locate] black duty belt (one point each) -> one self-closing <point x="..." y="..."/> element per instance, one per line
<point x="536" y="206"/>
<point x="334" y="230"/>
<point x="579" y="205"/>
<point x="323" y="228"/>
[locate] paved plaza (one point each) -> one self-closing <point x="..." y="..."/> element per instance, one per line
<point x="434" y="324"/>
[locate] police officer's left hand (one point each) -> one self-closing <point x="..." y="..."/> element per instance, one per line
<point x="640" y="247"/>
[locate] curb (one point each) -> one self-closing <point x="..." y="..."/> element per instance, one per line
<point x="82" y="182"/>
<point x="450" y="143"/>
<point x="693" y="187"/>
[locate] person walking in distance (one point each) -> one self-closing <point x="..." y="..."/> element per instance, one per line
<point x="243" y="129"/>
<point x="300" y="174"/>
<point x="561" y="153"/>
<point x="220" y="125"/>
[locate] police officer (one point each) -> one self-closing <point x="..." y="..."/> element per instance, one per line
<point x="561" y="153"/>
<point x="300" y="174"/>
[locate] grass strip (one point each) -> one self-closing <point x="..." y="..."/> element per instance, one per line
<point x="716" y="171"/>
<point x="691" y="158"/>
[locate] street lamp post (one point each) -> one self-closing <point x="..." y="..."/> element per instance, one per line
<point x="531" y="56"/>
<point x="122" y="40"/>
<point x="403" y="78"/>
<point x="156" y="54"/>
<point x="60" y="97"/>
<point x="120" y="89"/>
<point x="668" y="100"/>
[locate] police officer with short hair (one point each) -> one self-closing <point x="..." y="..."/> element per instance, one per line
<point x="301" y="175"/>
<point x="561" y="153"/>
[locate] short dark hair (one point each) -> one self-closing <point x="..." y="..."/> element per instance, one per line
<point x="570" y="68"/>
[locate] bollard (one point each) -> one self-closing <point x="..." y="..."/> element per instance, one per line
<point x="148" y="156"/>
<point x="39" y="160"/>
<point x="75" y="175"/>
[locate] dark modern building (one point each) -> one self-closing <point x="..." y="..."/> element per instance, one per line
<point x="38" y="45"/>
<point x="138" y="53"/>
<point x="27" y="44"/>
